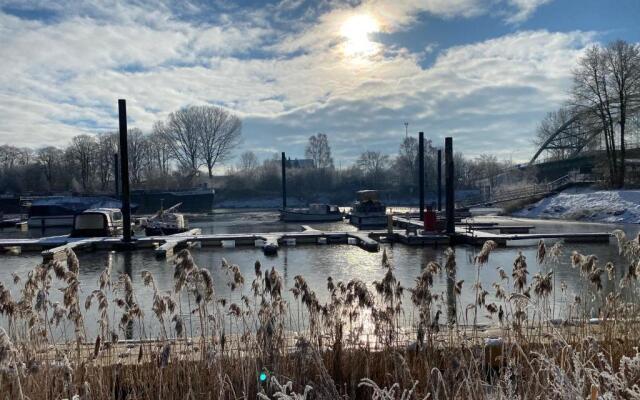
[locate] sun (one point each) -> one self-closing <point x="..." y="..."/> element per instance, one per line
<point x="356" y="31"/>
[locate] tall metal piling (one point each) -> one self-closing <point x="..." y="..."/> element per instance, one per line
<point x="449" y="188"/>
<point x="439" y="179"/>
<point x="284" y="181"/>
<point x="421" y="173"/>
<point x="124" y="172"/>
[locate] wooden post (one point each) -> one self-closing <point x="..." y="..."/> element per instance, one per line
<point x="439" y="179"/>
<point x="116" y="174"/>
<point x="284" y="182"/>
<point x="124" y="172"/>
<point x="421" y="173"/>
<point x="449" y="189"/>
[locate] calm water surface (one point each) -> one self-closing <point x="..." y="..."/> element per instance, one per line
<point x="341" y="262"/>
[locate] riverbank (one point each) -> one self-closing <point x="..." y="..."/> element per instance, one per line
<point x="584" y="204"/>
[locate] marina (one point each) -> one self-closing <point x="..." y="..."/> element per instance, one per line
<point x="166" y="231"/>
<point x="405" y="231"/>
<point x="316" y="251"/>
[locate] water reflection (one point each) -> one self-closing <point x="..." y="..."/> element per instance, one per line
<point x="127" y="261"/>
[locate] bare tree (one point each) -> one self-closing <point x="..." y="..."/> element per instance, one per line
<point x="201" y="135"/>
<point x="219" y="133"/>
<point x="319" y="151"/>
<point x="623" y="66"/>
<point x="182" y="135"/>
<point x="248" y="162"/>
<point x="9" y="156"/>
<point x="159" y="152"/>
<point x="107" y="147"/>
<point x="82" y="153"/>
<point x="605" y="85"/>
<point x="138" y="154"/>
<point x="373" y="165"/>
<point x="591" y="96"/>
<point x="406" y="163"/>
<point x="487" y="167"/>
<point x="49" y="158"/>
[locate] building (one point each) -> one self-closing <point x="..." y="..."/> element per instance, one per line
<point x="300" y="163"/>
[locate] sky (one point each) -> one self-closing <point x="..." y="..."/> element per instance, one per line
<point x="482" y="71"/>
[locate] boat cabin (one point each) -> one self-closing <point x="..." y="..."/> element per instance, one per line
<point x="369" y="202"/>
<point x="323" y="209"/>
<point x="367" y="195"/>
<point x="97" y="222"/>
<point x="368" y="210"/>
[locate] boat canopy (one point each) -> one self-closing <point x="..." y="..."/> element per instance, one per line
<point x="97" y="222"/>
<point x="367" y="195"/>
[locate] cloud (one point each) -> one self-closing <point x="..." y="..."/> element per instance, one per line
<point x="62" y="75"/>
<point x="524" y="9"/>
<point x="489" y="96"/>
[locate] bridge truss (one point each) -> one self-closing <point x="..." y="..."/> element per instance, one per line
<point x="576" y="134"/>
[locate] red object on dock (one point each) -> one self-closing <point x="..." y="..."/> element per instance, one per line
<point x="429" y="220"/>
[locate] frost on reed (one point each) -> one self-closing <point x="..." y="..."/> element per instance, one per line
<point x="355" y="340"/>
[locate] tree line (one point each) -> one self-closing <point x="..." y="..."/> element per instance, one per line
<point x="396" y="175"/>
<point x="169" y="156"/>
<point x="604" y="105"/>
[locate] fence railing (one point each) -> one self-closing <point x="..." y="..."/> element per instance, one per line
<point x="523" y="192"/>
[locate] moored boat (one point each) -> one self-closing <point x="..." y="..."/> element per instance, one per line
<point x="368" y="210"/>
<point x="166" y="222"/>
<point x="60" y="211"/>
<point x="314" y="213"/>
<point x="97" y="222"/>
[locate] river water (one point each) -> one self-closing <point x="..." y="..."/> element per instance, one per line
<point x="341" y="262"/>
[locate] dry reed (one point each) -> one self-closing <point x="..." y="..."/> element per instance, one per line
<point x="354" y="345"/>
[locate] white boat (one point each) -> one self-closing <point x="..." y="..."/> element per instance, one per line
<point x="59" y="211"/>
<point x="165" y="222"/>
<point x="98" y="222"/>
<point x="315" y="213"/>
<point x="368" y="210"/>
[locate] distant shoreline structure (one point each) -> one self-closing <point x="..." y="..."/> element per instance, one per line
<point x="197" y="200"/>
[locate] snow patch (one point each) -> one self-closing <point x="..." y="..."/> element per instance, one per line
<point x="615" y="206"/>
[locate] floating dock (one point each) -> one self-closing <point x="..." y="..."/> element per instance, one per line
<point x="55" y="247"/>
<point x="478" y="237"/>
<point x="405" y="231"/>
<point x="477" y="233"/>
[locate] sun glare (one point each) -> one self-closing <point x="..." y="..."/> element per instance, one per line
<point x="356" y="31"/>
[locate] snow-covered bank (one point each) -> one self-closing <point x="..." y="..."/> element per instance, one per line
<point x="617" y="206"/>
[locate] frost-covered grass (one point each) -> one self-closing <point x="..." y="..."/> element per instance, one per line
<point x="351" y="347"/>
<point x="617" y="206"/>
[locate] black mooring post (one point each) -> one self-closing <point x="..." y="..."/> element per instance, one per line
<point x="284" y="182"/>
<point x="449" y="190"/>
<point x="421" y="173"/>
<point x="439" y="179"/>
<point x="116" y="174"/>
<point x="124" y="172"/>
